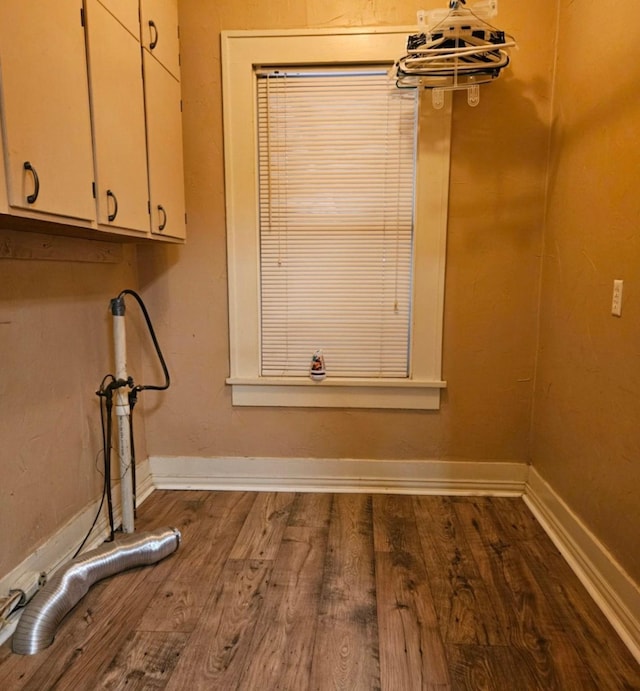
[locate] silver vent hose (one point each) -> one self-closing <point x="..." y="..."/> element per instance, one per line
<point x="42" y="615"/>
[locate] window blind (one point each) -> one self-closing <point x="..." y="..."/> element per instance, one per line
<point x="336" y="196"/>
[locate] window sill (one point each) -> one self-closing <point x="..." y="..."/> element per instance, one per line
<point x="337" y="393"/>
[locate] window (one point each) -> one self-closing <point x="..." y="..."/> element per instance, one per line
<point x="336" y="178"/>
<point x="336" y="220"/>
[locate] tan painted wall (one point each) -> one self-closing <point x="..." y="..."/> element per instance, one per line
<point x="55" y="347"/>
<point x="497" y="195"/>
<point x="55" y="330"/>
<point x="587" y="400"/>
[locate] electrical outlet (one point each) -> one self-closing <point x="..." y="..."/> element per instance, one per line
<point x="616" y="302"/>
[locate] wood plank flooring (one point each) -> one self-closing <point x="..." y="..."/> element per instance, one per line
<point x="319" y="592"/>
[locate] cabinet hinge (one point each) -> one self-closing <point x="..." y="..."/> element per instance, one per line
<point x="82" y="16"/>
<point x="149" y="208"/>
<point x="93" y="189"/>
<point x="185" y="218"/>
<point x="181" y="105"/>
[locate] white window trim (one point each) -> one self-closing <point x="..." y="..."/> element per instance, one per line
<point x="241" y="51"/>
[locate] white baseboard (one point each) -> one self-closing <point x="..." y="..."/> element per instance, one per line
<point x="61" y="546"/>
<point x="608" y="584"/>
<point x="340" y="475"/>
<point x="612" y="590"/>
<point x="610" y="587"/>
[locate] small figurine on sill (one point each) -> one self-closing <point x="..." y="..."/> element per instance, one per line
<point x="317" y="371"/>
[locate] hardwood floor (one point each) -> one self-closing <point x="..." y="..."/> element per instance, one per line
<point x="319" y="591"/>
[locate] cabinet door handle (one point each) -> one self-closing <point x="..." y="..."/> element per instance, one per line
<point x="153" y="43"/>
<point x="163" y="225"/>
<point x="112" y="217"/>
<point x="31" y="198"/>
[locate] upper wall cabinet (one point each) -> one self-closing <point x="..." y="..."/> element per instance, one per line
<point x="117" y="109"/>
<point x="81" y="153"/>
<point x="126" y="12"/>
<point x="45" y="108"/>
<point x="164" y="145"/>
<point x="159" y="31"/>
<point x="161" y="62"/>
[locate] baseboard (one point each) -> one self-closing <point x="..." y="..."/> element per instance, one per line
<point x="62" y="545"/>
<point x="610" y="587"/>
<point x="612" y="590"/>
<point x="340" y="475"/>
<point x="608" y="584"/>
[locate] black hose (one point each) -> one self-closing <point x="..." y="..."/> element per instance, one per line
<point x="104" y="482"/>
<point x="133" y="394"/>
<point x="107" y="461"/>
<point x="152" y="333"/>
<point x="132" y="451"/>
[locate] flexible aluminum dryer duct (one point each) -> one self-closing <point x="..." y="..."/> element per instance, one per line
<point x="41" y="617"/>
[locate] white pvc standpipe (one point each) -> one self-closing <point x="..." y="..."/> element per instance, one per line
<point x="123" y="413"/>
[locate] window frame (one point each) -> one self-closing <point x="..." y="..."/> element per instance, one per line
<point x="242" y="52"/>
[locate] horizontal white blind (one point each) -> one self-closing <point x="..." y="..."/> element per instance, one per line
<point x="336" y="191"/>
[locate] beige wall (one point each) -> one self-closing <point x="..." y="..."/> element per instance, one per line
<point x="587" y="399"/>
<point x="497" y="175"/>
<point x="55" y="331"/>
<point x="55" y="347"/>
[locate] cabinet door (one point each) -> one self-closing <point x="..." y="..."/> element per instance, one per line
<point x="126" y="12"/>
<point x="159" y="31"/>
<point x="45" y="107"/>
<point x="164" y="143"/>
<point x="117" y="106"/>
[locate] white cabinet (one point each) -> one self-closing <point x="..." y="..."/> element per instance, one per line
<point x="164" y="149"/>
<point x="4" y="204"/>
<point x="79" y="147"/>
<point x="117" y="110"/>
<point x="161" y="62"/>
<point x="137" y="122"/>
<point x="45" y="109"/>
<point x="159" y="32"/>
<point x="126" y="12"/>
